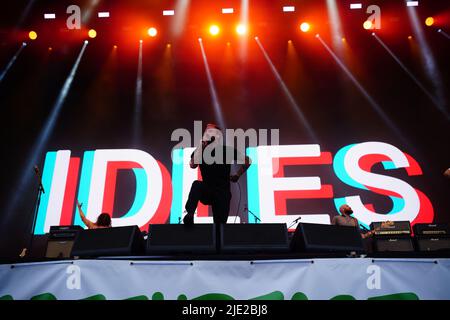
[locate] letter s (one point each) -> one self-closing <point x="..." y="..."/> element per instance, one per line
<point x="352" y="165"/>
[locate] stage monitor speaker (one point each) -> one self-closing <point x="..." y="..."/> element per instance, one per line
<point x="39" y="247"/>
<point x="61" y="240"/>
<point x="181" y="239"/>
<point x="393" y="244"/>
<point x="433" y="243"/>
<point x="254" y="238"/>
<point x="311" y="237"/>
<point x="117" y="241"/>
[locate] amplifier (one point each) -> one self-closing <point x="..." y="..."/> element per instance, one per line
<point x="426" y="229"/>
<point x="64" y="232"/>
<point x="393" y="244"/>
<point x="61" y="240"/>
<point x="391" y="228"/>
<point x="433" y="244"/>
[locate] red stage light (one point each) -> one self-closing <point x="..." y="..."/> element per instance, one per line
<point x="429" y="21"/>
<point x="32" y="35"/>
<point x="241" y="29"/>
<point x="305" y="27"/>
<point x="152" y="32"/>
<point x="367" y="24"/>
<point x="214" y="30"/>
<point x="92" y="33"/>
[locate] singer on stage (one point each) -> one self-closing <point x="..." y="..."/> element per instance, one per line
<point x="214" y="159"/>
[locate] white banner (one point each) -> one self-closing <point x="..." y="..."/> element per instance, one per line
<point x="352" y="278"/>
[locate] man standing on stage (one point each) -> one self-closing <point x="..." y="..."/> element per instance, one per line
<point x="346" y="220"/>
<point x="214" y="159"/>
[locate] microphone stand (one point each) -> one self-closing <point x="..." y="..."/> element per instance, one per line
<point x="254" y="215"/>
<point x="37" y="203"/>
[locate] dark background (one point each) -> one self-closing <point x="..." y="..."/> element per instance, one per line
<point x="99" y="109"/>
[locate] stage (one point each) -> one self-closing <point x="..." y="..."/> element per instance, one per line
<point x="156" y="278"/>
<point x="289" y="135"/>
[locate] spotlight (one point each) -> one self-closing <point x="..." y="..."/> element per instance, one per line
<point x="214" y="30"/>
<point x="409" y="37"/>
<point x="289" y="41"/>
<point x="199" y="39"/>
<point x="228" y="43"/>
<point x="241" y="29"/>
<point x="256" y="38"/>
<point x="92" y="33"/>
<point x="86" y="42"/>
<point x="412" y="3"/>
<point x="344" y="40"/>
<point x="168" y="12"/>
<point x="317" y="35"/>
<point x="115" y="46"/>
<point x="24" y="44"/>
<point x="429" y="21"/>
<point x="227" y="10"/>
<point x="169" y="45"/>
<point x="288" y="9"/>
<point x="367" y="25"/>
<point x="50" y="48"/>
<point x="355" y="5"/>
<point x="140" y="41"/>
<point x="152" y="32"/>
<point x="32" y="35"/>
<point x="305" y="27"/>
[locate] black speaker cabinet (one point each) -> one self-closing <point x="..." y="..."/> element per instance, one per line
<point x="254" y="238"/>
<point x="181" y="239"/>
<point x="118" y="241"/>
<point x="433" y="243"/>
<point x="393" y="244"/>
<point x="38" y="247"/>
<point x="311" y="237"/>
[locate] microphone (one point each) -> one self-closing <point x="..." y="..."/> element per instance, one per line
<point x="294" y="222"/>
<point x="38" y="174"/>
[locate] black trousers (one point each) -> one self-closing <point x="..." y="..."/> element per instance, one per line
<point x="218" y="199"/>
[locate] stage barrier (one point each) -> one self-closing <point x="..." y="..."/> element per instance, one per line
<point x="347" y="278"/>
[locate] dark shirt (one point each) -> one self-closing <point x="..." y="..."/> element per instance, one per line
<point x="217" y="175"/>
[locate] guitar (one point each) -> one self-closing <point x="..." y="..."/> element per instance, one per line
<point x="384" y="224"/>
